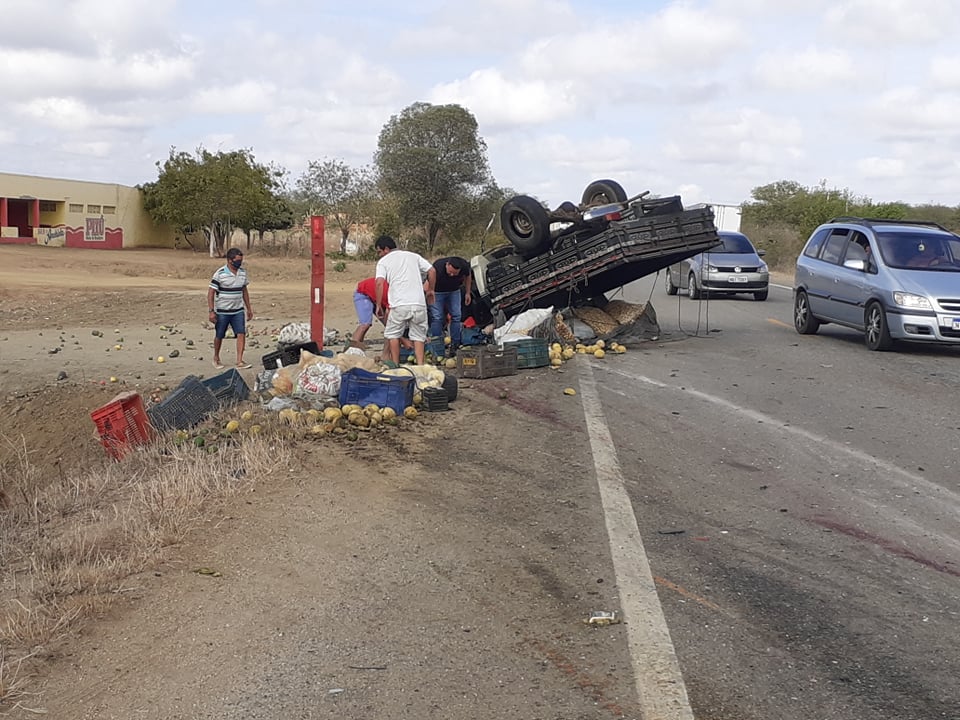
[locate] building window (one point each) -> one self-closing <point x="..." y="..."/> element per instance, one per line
<point x="93" y="208"/>
<point x="109" y="209"/>
<point x="48" y="206"/>
<point x="76" y="207"/>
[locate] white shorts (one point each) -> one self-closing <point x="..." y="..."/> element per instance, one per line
<point x="407" y="317"/>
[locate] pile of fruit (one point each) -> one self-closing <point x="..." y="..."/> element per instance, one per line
<point x="560" y="354"/>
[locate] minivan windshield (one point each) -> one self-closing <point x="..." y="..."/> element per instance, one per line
<point x="920" y="250"/>
<point x="733" y="244"/>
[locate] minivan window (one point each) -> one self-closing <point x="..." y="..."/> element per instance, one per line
<point x="920" y="250"/>
<point x="813" y="245"/>
<point x="836" y="243"/>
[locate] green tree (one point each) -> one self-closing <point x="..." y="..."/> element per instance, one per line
<point x="215" y="192"/>
<point x="431" y="158"/>
<point x="341" y="193"/>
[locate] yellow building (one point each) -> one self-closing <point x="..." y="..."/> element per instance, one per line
<point x="75" y="213"/>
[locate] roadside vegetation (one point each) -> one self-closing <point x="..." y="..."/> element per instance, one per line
<point x="70" y="543"/>
<point x="780" y="216"/>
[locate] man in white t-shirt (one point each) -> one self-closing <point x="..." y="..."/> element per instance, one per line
<point x="402" y="271"/>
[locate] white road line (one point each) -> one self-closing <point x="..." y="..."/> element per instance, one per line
<point x="660" y="687"/>
<point x="859" y="455"/>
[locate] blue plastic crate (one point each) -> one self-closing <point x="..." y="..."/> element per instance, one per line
<point x="229" y="387"/>
<point x="361" y="387"/>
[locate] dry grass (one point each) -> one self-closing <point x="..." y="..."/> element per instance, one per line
<point x="69" y="542"/>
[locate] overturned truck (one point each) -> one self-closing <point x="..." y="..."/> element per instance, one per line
<point x="574" y="254"/>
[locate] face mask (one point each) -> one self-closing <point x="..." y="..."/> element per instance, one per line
<point x="236" y="263"/>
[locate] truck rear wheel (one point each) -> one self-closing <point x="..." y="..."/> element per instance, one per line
<point x="524" y="221"/>
<point x="603" y="192"/>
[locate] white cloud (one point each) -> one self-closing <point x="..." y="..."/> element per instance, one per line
<point x="71" y="114"/>
<point x="497" y="101"/>
<point x="809" y="70"/>
<point x="889" y="22"/>
<point x="945" y="71"/>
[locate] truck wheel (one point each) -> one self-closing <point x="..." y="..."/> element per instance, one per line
<point x="524" y="222"/>
<point x="603" y="192"/>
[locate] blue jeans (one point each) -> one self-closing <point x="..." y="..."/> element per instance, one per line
<point x="446" y="303"/>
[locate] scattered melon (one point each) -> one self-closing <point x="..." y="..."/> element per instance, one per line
<point x="410" y="412"/>
<point x="388" y="412"/>
<point x="247" y="416"/>
<point x="255" y="429"/>
<point x="332" y="414"/>
<point x="569" y="391"/>
<point x="161" y="359"/>
<point x="598" y="353"/>
<point x="232" y="426"/>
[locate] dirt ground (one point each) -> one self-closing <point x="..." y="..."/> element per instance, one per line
<point x="78" y="327"/>
<point x="417" y="577"/>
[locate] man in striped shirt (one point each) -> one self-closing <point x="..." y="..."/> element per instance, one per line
<point x="227" y="297"/>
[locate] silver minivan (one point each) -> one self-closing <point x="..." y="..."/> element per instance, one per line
<point x="890" y="279"/>
<point x="733" y="266"/>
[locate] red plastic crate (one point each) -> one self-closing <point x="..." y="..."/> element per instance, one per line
<point x="122" y="423"/>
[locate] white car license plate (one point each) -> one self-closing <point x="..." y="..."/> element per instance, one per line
<point x="739" y="279"/>
<point x="956" y="323"/>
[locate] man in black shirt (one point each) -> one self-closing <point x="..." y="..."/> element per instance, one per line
<point x="452" y="274"/>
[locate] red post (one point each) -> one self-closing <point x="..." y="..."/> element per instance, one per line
<point x="3" y="211"/>
<point x="316" y="279"/>
<point x="36" y="212"/>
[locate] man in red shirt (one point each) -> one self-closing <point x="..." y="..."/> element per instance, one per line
<point x="364" y="302"/>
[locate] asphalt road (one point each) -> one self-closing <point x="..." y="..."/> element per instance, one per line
<point x="797" y="498"/>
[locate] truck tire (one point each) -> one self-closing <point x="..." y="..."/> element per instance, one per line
<point x="603" y="192"/>
<point x="524" y="221"/>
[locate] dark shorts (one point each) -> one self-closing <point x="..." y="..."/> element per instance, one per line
<point x="234" y="320"/>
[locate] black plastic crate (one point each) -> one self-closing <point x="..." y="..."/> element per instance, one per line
<point x="659" y="206"/>
<point x="229" y="387"/>
<point x="289" y="355"/>
<point x="185" y="407"/>
<point x="435" y="399"/>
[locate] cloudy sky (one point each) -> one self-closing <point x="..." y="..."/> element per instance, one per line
<point x="707" y="99"/>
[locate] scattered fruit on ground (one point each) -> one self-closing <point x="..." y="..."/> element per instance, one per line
<point x="289" y="415"/>
<point x="600" y="344"/>
<point x="371" y="408"/>
<point x="556" y="361"/>
<point x="352" y="436"/>
<point x="451" y="363"/>
<point x="200" y="441"/>
<point x="332" y="414"/>
<point x="161" y="359"/>
<point x="569" y="391"/>
<point x="255" y="429"/>
<point x="410" y="412"/>
<point x="598" y="353"/>
<point x="247" y="415"/>
<point x="232" y="426"/>
<point x="388" y="412"/>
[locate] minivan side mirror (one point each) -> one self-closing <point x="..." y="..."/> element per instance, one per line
<point x="761" y="253"/>
<point x="855" y="265"/>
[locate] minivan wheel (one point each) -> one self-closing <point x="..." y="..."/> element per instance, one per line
<point x="668" y="284"/>
<point x="803" y="319"/>
<point x="693" y="290"/>
<point x="876" y="332"/>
